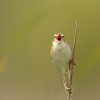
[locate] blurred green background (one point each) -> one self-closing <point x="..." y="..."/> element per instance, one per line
<point x="26" y="33"/>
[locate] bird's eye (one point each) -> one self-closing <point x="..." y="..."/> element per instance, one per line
<point x="62" y="35"/>
<point x="55" y="35"/>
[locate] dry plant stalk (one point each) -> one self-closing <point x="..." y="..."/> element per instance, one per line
<point x="71" y="68"/>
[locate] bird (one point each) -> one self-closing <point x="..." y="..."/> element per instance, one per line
<point x="61" y="55"/>
<point x="64" y="59"/>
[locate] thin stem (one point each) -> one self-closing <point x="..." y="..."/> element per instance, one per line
<point x="69" y="96"/>
<point x="71" y="65"/>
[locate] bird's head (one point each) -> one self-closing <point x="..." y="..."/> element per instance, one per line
<point x="59" y="37"/>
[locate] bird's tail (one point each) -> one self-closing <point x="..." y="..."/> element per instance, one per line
<point x="66" y="80"/>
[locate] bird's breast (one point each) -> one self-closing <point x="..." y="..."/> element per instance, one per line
<point x="61" y="54"/>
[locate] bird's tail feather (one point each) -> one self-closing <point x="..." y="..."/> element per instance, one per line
<point x="66" y="80"/>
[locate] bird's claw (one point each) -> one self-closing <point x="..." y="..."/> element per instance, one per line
<point x="72" y="62"/>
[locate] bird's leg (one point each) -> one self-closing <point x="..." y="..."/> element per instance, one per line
<point x="72" y="62"/>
